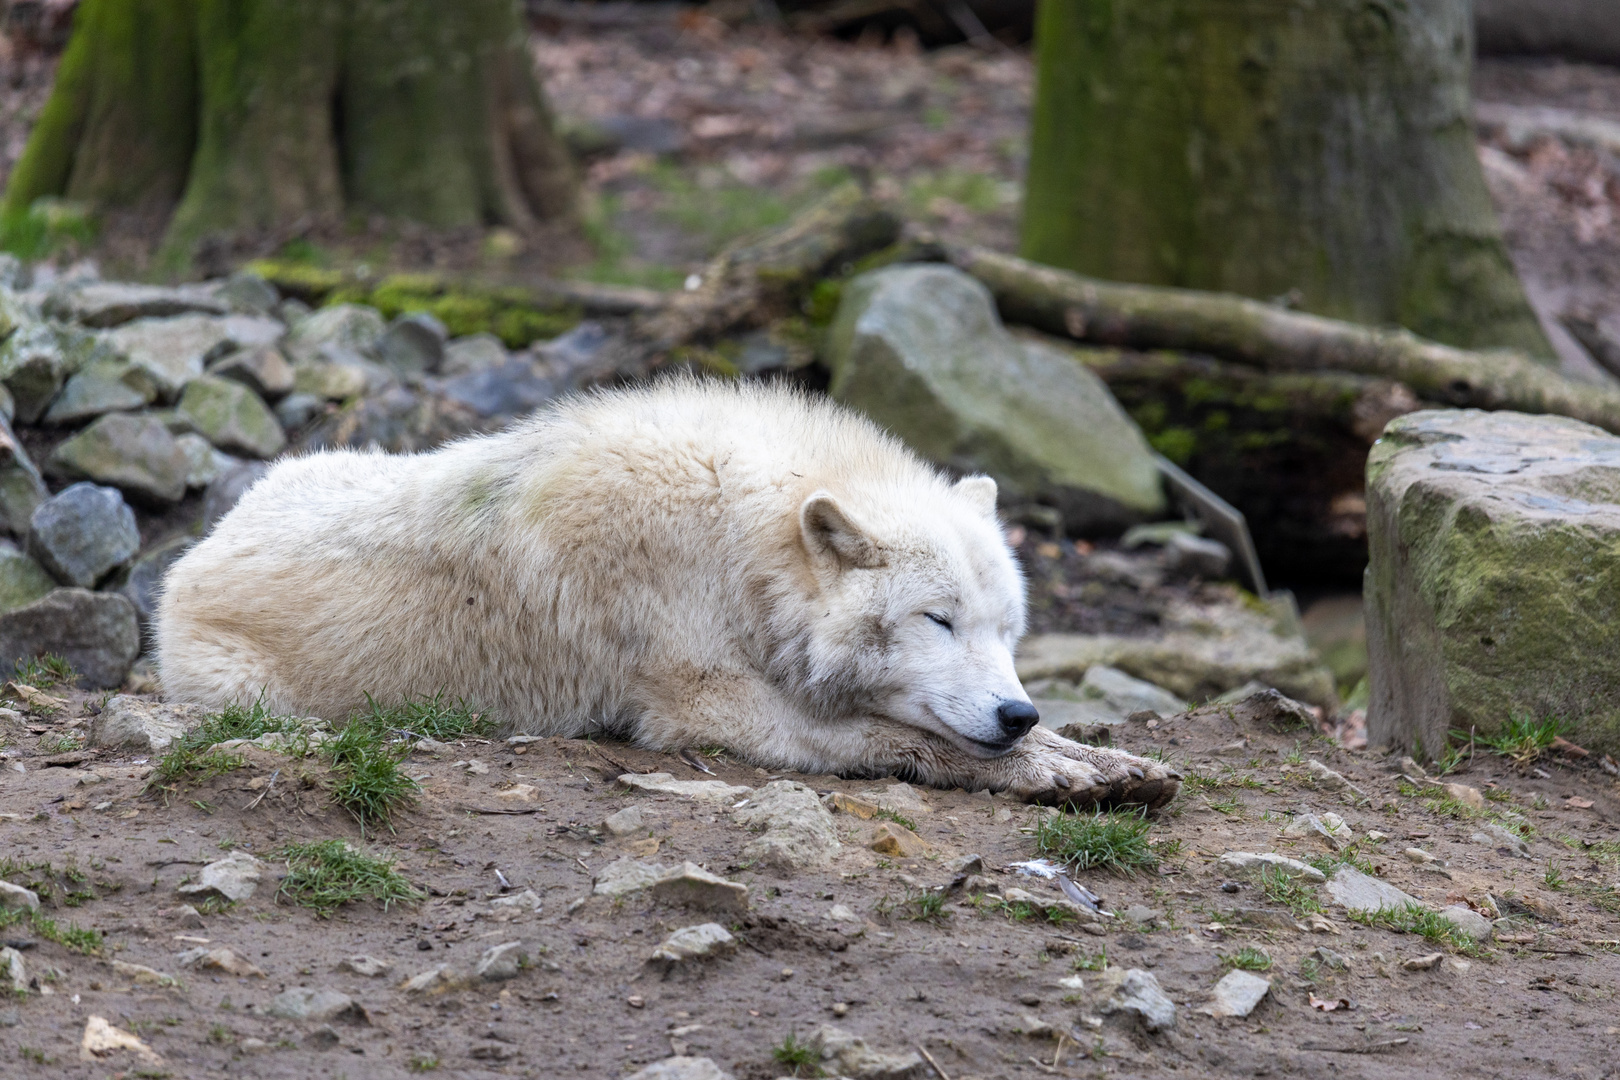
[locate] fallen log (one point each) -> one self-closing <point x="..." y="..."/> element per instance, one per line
<point x="1249" y="332"/>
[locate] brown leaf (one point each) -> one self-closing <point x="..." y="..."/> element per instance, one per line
<point x="1329" y="1004"/>
<point x="1578" y="803"/>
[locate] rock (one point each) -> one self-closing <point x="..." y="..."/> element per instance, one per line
<point x="144" y="724"/>
<point x="434" y="981"/>
<point x="331" y="382"/>
<point x="235" y="877"/>
<point x="626" y="875"/>
<point x="921" y="350"/>
<point x="14" y="970"/>
<point x="1200" y="652"/>
<point x="1469" y="923"/>
<point x="517" y="903"/>
<point x="187" y="917"/>
<point x="1237" y="994"/>
<point x="1471" y="797"/>
<point x="898" y="798"/>
<point x="1325" y="779"/>
<point x="263" y="370"/>
<point x="1493" y="835"/>
<point x="1249" y="864"/>
<point x="798" y="830"/>
<point x="695" y="943"/>
<point x="22" y="580"/>
<point x="322" y="1038"/>
<point x="33" y="366"/>
<point x="135" y="453"/>
<point x="227" y="960"/>
<point x="1493" y="539"/>
<point x="1423" y="963"/>
<point x="172" y="351"/>
<point x="320" y="1005"/>
<point x="232" y="417"/>
<point x="1137" y="994"/>
<point x="368" y="967"/>
<point x="103" y="304"/>
<point x="17" y="898"/>
<point x="519" y="793"/>
<point x="690" y="885"/>
<point x="1328" y="830"/>
<point x="413" y="344"/>
<point x="141" y="975"/>
<point x="349" y="327"/>
<point x="298" y="410"/>
<point x="1106" y="695"/>
<point x="101" y="1040"/>
<point x="1197" y="556"/>
<point x="246" y="292"/>
<point x="82" y="533"/>
<point x="514" y="388"/>
<point x="1360" y="892"/>
<point x="102" y="387"/>
<point x="626" y="822"/>
<point x="895" y="840"/>
<point x="21" y="488"/>
<point x="396" y="420"/>
<point x="681" y="1068"/>
<point x="849" y="1055"/>
<point x="1042" y="904"/>
<point x="1140" y="914"/>
<point x="701" y="790"/>
<point x="203" y="462"/>
<point x="472" y="354"/>
<point x="844" y="803"/>
<point x="95" y="632"/>
<point x="572" y="358"/>
<point x="226" y="488"/>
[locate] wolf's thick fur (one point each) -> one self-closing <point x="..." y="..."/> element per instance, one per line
<point x="691" y="564"/>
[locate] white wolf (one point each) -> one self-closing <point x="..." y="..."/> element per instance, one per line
<point x="689" y="564"/>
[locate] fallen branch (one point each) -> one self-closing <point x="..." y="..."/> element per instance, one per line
<point x="1249" y="332"/>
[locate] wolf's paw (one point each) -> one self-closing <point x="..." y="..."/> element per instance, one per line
<point x="1059" y="772"/>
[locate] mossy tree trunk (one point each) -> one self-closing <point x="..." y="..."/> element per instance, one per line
<point x="250" y="115"/>
<point x="1269" y="148"/>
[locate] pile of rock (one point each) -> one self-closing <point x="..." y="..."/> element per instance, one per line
<point x="133" y="416"/>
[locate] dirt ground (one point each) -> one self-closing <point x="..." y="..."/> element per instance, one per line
<point x="965" y="985"/>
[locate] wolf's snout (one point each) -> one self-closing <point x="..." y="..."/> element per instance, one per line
<point x="1017" y="717"/>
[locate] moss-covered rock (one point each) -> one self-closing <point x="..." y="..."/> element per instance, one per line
<point x="136" y="454"/>
<point x="921" y="350"/>
<point x="232" y="417"/>
<point x="1493" y="585"/>
<point x="22" y="580"/>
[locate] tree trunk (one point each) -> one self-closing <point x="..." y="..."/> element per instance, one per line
<point x="1270" y="148"/>
<point x="1572" y="29"/>
<point x="250" y="115"/>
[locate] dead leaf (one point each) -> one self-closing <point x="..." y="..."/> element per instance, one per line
<point x="1578" y="803"/>
<point x="1329" y="1004"/>
<point x="37" y="700"/>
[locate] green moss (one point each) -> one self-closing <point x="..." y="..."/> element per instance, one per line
<point x="1175" y="443"/>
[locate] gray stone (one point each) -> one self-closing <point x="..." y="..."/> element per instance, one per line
<point x="681" y="1068"/>
<point x="365" y="966"/>
<point x="141" y="587"/>
<point x="1494" y="543"/>
<point x="17" y="898"/>
<point x="203" y="462"/>
<point x="1251" y="864"/>
<point x="33" y="366"/>
<point x="14" y="970"/>
<point x="501" y="962"/>
<point x="246" y="292"/>
<point x="571" y="359"/>
<point x="136" y="454"/>
<point x="1360" y="892"/>
<point x="235" y="877"/>
<point x="1197" y="556"/>
<point x="921" y="350"/>
<point x="689" y="885"/>
<point x="232" y="417"/>
<point x="1105" y="695"/>
<point x="172" y="351"/>
<point x="1137" y="995"/>
<point x="1328" y="830"/>
<point x="1493" y="835"/>
<point x="81" y="533"/>
<point x="413" y="344"/>
<point x="262" y="369"/>
<point x="510" y="389"/>
<point x="144" y="724"/>
<point x="22" y="580"/>
<point x="626" y="875"/>
<point x="340" y="380"/>
<point x="21" y="488"/>
<point x="350" y="327"/>
<point x="517" y="903"/>
<point x="297" y="410"/>
<point x="1467" y="921"/>
<point x="1237" y="994"/>
<point x="715" y="791"/>
<point x="798" y="830"/>
<point x="467" y="355"/>
<point x="626" y="822"/>
<point x="845" y="1054"/>
<point x="319" y="1005"/>
<point x="226" y="488"/>
<point x="695" y="943"/>
<point x="102" y="387"/>
<point x="396" y="420"/>
<point x="112" y="303"/>
<point x="95" y="632"/>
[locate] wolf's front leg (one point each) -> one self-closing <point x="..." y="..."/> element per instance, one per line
<point x="1044" y="767"/>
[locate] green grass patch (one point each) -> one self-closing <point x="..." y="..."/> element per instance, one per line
<point x="366" y="780"/>
<point x="327" y="874"/>
<point x="799" y="1055"/>
<point x="193" y="759"/>
<point x="1096" y="961"/>
<point x="1248" y="958"/>
<point x="429" y="717"/>
<point x="58" y="744"/>
<point x="1297" y="896"/>
<point x="1350" y="856"/>
<point x="72" y="937"/>
<point x="1522" y="740"/>
<point x="44" y="672"/>
<point x="421" y="1063"/>
<point x="1116" y="841"/>
<point x="898" y="819"/>
<point x="50" y="225"/>
<point x="1419" y="920"/>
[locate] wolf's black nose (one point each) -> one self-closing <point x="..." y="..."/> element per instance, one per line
<point x="1017" y="717"/>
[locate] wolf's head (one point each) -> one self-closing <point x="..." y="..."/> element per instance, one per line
<point x="920" y="605"/>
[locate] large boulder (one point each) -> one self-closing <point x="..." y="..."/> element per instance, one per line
<point x="1494" y="552"/>
<point x="232" y="417"/>
<point x="82" y="533"/>
<point x="135" y="453"/>
<point x="95" y="632"/>
<point x="921" y="350"/>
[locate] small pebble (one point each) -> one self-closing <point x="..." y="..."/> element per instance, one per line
<point x="1031" y="1000"/>
<point x="787" y="973"/>
<point x="1230" y="886"/>
<point x="1422" y="963"/>
<point x="635" y="1001"/>
<point x="424" y="945"/>
<point x="840" y="1008"/>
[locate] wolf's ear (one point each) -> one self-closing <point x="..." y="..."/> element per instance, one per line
<point x="829" y="534"/>
<point x="980" y="491"/>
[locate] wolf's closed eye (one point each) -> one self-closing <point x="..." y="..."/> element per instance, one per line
<point x="939" y="620"/>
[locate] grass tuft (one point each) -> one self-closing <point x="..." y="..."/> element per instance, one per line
<point x="1105" y="841"/>
<point x="898" y="819"/>
<point x="44" y="672"/>
<point x="1248" y="958"/>
<point x="1523" y="740"/>
<point x="797" y="1055"/>
<point x="1297" y="896"/>
<point x="1419" y="920"/>
<point x="329" y="873"/>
